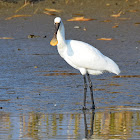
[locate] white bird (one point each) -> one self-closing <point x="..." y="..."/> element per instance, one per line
<point x="82" y="56"/>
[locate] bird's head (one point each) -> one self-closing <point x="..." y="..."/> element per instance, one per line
<point x="57" y="22"/>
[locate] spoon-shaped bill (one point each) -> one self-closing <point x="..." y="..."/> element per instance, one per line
<point x="54" y="40"/>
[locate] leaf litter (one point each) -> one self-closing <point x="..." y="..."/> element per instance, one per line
<point x="15" y="16"/>
<point x="51" y="12"/>
<point x="106" y="39"/>
<point x="117" y="15"/>
<point x="27" y="3"/>
<point x="80" y="19"/>
<point x="6" y="38"/>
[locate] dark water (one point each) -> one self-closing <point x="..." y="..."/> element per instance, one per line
<point x="41" y="96"/>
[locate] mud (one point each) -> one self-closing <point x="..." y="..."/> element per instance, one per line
<point x="41" y="96"/>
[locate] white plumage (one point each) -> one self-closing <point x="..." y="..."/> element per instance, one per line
<point x="80" y="55"/>
<point x="86" y="58"/>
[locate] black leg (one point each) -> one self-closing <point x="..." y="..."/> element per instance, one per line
<point x="91" y="91"/>
<point x="85" y="91"/>
<point x="85" y="123"/>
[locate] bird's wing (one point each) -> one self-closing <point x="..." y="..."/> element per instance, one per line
<point x="84" y="55"/>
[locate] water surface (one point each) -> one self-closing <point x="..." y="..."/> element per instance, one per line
<point x="41" y="96"/>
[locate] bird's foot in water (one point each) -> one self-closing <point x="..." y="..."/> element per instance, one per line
<point x="84" y="108"/>
<point x="93" y="107"/>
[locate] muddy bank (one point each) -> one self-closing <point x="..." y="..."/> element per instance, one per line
<point x="39" y="89"/>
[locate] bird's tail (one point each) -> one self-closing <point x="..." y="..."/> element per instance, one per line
<point x="112" y="66"/>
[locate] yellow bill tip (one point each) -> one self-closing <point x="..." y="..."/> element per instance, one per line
<point x="54" y="42"/>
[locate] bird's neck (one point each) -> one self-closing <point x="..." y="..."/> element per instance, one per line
<point x="61" y="46"/>
<point x="61" y="38"/>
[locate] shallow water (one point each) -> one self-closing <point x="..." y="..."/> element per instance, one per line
<point x="41" y="96"/>
<point x="119" y="123"/>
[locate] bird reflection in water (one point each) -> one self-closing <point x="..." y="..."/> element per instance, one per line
<point x="88" y="133"/>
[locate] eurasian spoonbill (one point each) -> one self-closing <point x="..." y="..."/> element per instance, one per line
<point x="82" y="56"/>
